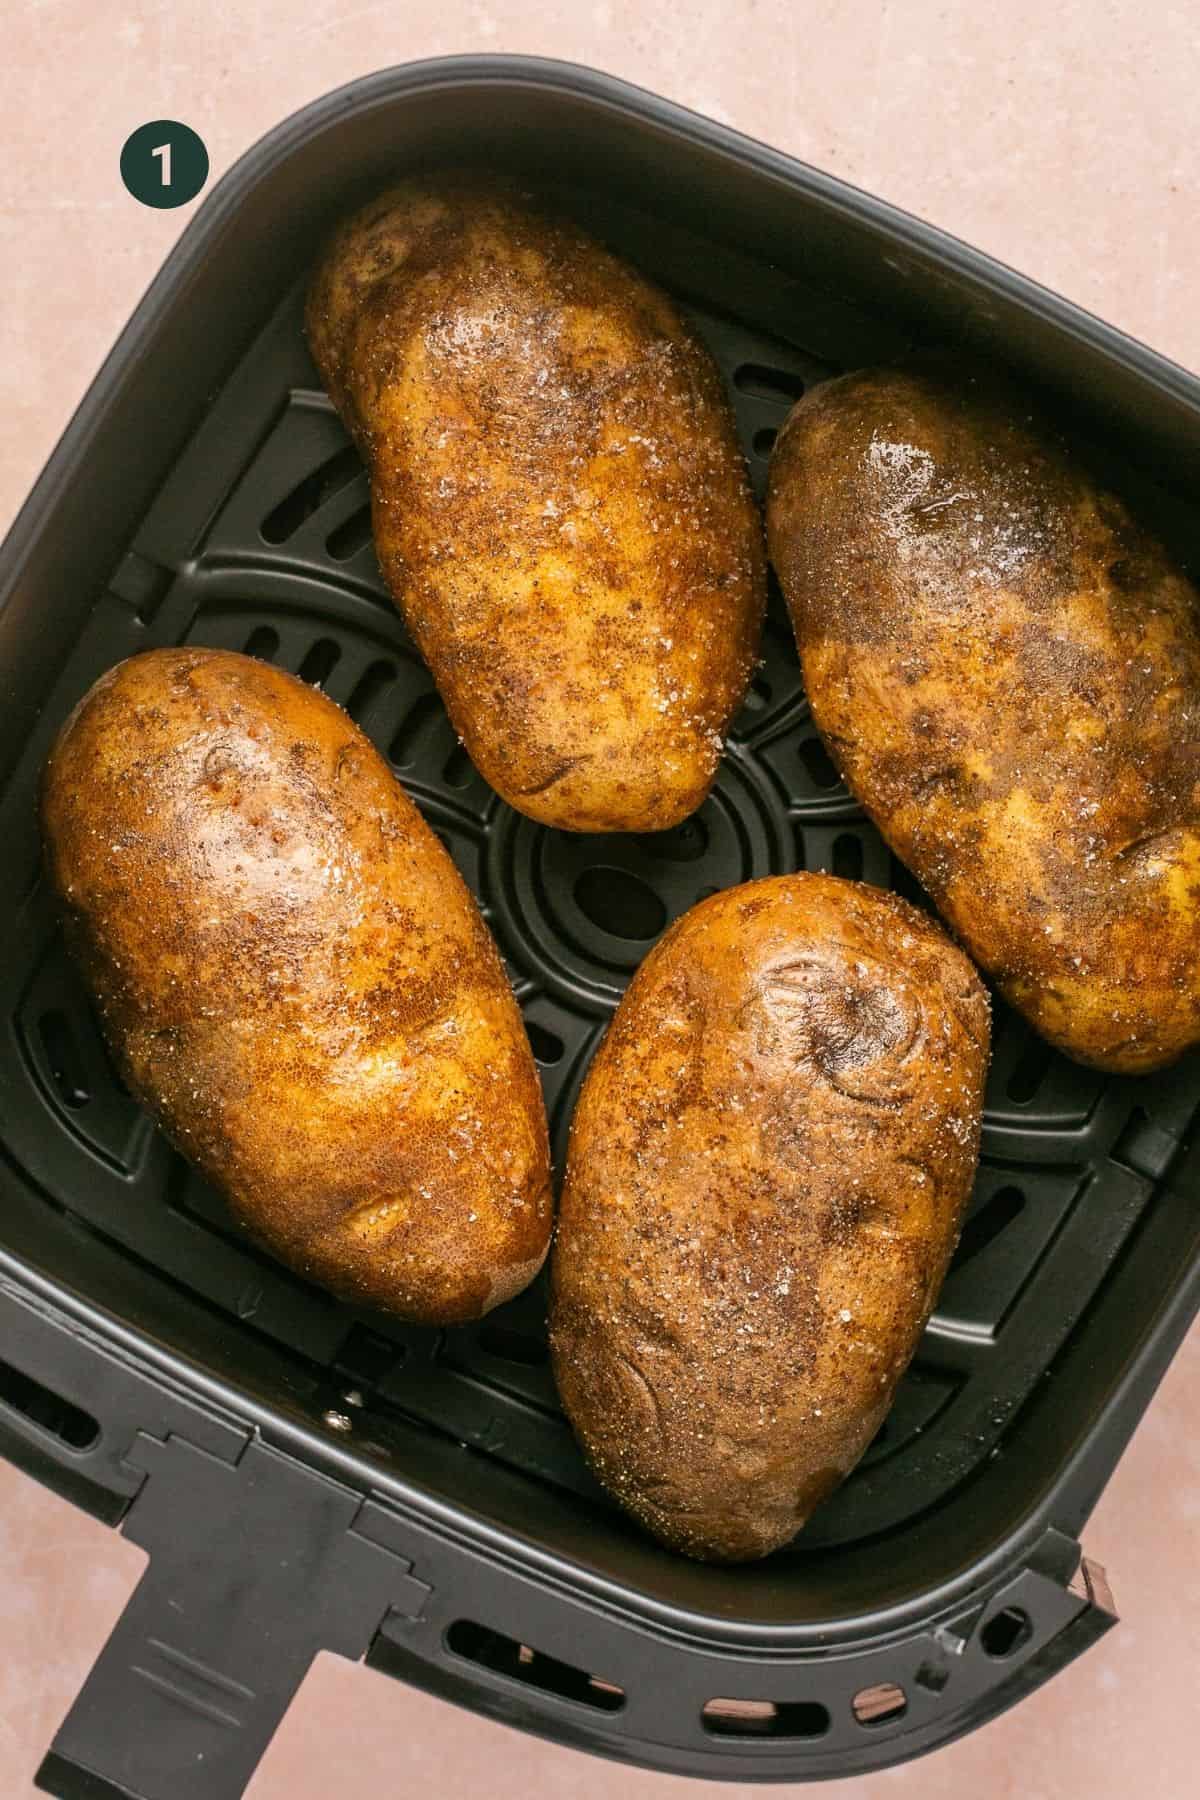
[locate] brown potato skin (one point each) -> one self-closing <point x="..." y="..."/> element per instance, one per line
<point x="780" y="1127"/>
<point x="560" y="506"/>
<point x="1006" y="670"/>
<point x="295" y="981"/>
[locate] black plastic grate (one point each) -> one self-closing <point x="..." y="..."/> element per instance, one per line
<point x="284" y="568"/>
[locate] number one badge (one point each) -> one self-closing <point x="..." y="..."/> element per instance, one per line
<point x="164" y="163"/>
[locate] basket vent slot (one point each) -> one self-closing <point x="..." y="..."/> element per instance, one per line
<point x="547" y="1046"/>
<point x="682" y="843"/>
<point x="351" y="536"/>
<point x="407" y="734"/>
<point x="848" y="856"/>
<point x="818" y="765"/>
<point x="284" y="520"/>
<point x="506" y="1656"/>
<point x="616" y="901"/>
<point x="1030" y="1069"/>
<point x="758" y="695"/>
<point x="374" y="681"/>
<point x="513" y="1346"/>
<point x="762" y="383"/>
<point x="367" y="1357"/>
<point x="263" y="642"/>
<point x="61" y="1418"/>
<point x="881" y="1704"/>
<point x="319" y="662"/>
<point x="114" y="1074"/>
<point x="765" y="1718"/>
<point x="458" y="770"/>
<point x="1006" y="1632"/>
<point x="987" y="1222"/>
<point x="62" y="1054"/>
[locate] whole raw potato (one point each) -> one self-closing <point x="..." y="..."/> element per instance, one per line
<point x="560" y="507"/>
<point x="768" y="1167"/>
<point x="294" y="980"/>
<point x="1006" y="669"/>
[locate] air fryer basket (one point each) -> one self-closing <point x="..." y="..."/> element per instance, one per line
<point x="307" y="1476"/>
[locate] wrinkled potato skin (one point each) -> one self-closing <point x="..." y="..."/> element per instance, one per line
<point x="560" y="506"/>
<point x="779" y="1130"/>
<point x="295" y="981"/>
<point x="1006" y="670"/>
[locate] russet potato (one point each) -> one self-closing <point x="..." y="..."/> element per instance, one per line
<point x="1006" y="669"/>
<point x="560" y="506"/>
<point x="768" y="1167"/>
<point x="294" y="980"/>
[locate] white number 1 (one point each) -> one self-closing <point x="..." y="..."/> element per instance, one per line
<point x="164" y="150"/>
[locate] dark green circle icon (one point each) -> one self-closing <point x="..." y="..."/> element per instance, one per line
<point x="164" y="163"/>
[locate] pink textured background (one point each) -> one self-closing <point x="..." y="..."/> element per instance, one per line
<point x="1063" y="140"/>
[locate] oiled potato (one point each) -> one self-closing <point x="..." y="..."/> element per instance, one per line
<point x="560" y="506"/>
<point x="295" y="981"/>
<point x="1006" y="670"/>
<point x="767" y="1172"/>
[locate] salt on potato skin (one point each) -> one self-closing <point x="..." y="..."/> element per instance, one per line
<point x="560" y="506"/>
<point x="294" y="980"/>
<point x="767" y="1172"/>
<point x="1005" y="668"/>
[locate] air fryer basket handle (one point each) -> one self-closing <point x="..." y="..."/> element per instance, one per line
<point x="255" y="1565"/>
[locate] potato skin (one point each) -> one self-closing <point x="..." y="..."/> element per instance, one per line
<point x="560" y="506"/>
<point x="295" y="981"/>
<point x="767" y="1172"/>
<point x="1006" y="669"/>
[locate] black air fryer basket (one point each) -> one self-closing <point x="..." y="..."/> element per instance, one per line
<point x="307" y="1477"/>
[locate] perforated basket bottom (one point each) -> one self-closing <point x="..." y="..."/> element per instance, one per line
<point x="260" y="541"/>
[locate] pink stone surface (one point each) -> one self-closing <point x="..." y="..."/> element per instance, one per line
<point x="1060" y="139"/>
